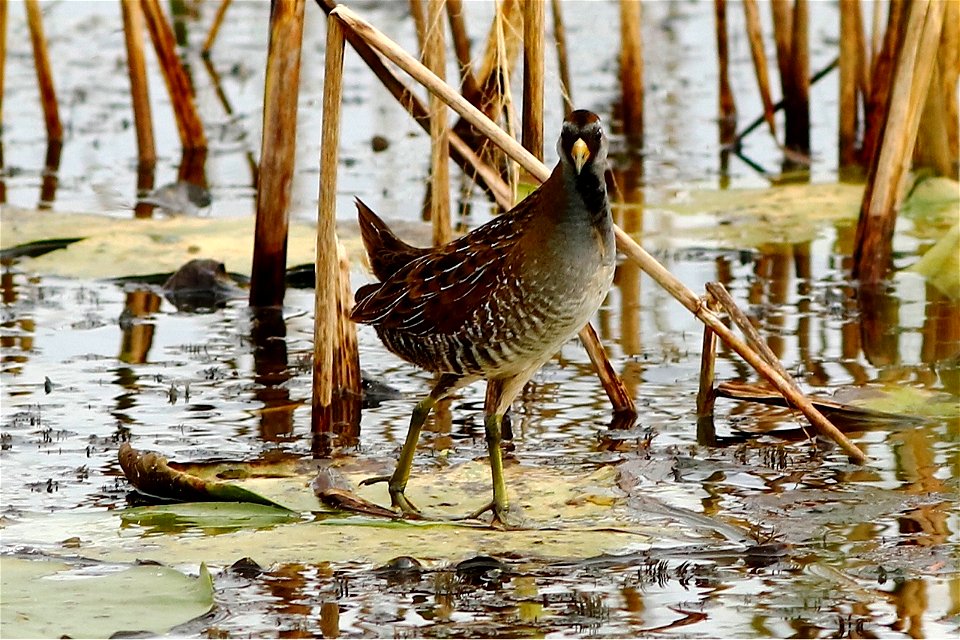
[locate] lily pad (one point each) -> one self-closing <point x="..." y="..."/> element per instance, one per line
<point x="49" y="599"/>
<point x="940" y="265"/>
<point x="117" y="247"/>
<point x="740" y="218"/>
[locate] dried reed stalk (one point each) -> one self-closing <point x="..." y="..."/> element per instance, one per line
<point x="790" y="34"/>
<point x="932" y="150"/>
<point x="755" y="35"/>
<point x="850" y="65"/>
<point x="461" y="46"/>
<point x="625" y="243"/>
<point x="532" y="135"/>
<point x="612" y="384"/>
<point x="950" y="71"/>
<point x="706" y="396"/>
<point x="500" y="54"/>
<point x="727" y="103"/>
<point x="189" y="125"/>
<point x="139" y="89"/>
<point x="41" y="61"/>
<point x="797" y="109"/>
<point x="886" y="181"/>
<point x="881" y="79"/>
<point x="327" y="267"/>
<point x="631" y="69"/>
<point x="435" y="60"/>
<point x="3" y="59"/>
<point x="560" y="37"/>
<point x="347" y="389"/>
<point x="469" y="162"/>
<point x="420" y="24"/>
<point x="215" y="27"/>
<point x="277" y="152"/>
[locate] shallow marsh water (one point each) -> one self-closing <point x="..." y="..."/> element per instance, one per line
<point x="841" y="550"/>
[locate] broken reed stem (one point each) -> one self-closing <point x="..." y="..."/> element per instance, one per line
<point x="727" y="103"/>
<point x="755" y="35"/>
<point x="631" y="69"/>
<point x="133" y="27"/>
<point x="753" y="337"/>
<point x="886" y="181"/>
<point x="327" y="264"/>
<point x="189" y="126"/>
<point x="563" y="64"/>
<point x="435" y="60"/>
<point x="277" y="151"/>
<point x="41" y="61"/>
<point x="612" y="383"/>
<point x="625" y="243"/>
<point x="461" y="46"/>
<point x="215" y="27"/>
<point x="532" y="136"/>
<point x="706" y="394"/>
<point x="850" y="63"/>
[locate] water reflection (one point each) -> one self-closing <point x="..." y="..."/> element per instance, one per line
<point x="268" y="333"/>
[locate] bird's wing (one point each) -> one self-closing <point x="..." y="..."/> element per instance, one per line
<point x="441" y="291"/>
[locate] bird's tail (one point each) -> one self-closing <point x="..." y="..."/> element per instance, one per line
<point x="386" y="251"/>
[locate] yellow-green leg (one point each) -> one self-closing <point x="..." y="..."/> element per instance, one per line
<point x="397" y="483"/>
<point x="500" y="393"/>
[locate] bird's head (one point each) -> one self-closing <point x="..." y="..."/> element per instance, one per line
<point x="582" y="142"/>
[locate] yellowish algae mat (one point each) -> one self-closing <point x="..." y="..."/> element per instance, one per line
<point x="564" y="515"/>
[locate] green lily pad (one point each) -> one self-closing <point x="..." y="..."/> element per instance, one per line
<point x="49" y="599"/>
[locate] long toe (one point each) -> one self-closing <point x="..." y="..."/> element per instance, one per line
<point x="400" y="501"/>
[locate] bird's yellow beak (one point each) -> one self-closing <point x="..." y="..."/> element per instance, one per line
<point x="580" y="154"/>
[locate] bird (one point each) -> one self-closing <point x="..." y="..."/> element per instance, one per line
<point x="497" y="303"/>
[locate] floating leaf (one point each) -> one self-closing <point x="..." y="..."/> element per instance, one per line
<point x="115" y="247"/>
<point x="940" y="265"/>
<point x="48" y="599"/>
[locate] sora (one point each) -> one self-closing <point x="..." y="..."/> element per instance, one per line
<point x="498" y="302"/>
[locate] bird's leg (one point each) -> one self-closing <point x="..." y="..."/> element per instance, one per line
<point x="397" y="483"/>
<point x="500" y="393"/>
<point x="500" y="506"/>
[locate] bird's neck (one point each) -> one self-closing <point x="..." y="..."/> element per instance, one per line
<point x="591" y="189"/>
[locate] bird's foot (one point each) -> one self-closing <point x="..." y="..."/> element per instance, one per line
<point x="398" y="499"/>
<point x="500" y="513"/>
